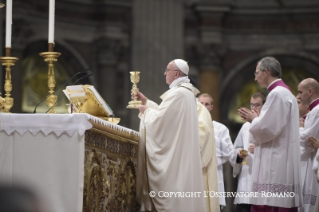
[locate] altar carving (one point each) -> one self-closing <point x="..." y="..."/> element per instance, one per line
<point x="110" y="168"/>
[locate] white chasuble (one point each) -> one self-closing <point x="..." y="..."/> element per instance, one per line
<point x="169" y="161"/>
<point x="276" y="166"/>
<point x="309" y="180"/>
<point x="208" y="156"/>
<point x="244" y="171"/>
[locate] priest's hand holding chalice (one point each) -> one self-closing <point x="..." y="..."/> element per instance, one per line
<point x="242" y="153"/>
<point x="141" y="98"/>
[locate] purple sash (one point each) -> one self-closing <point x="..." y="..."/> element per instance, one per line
<point x="278" y="83"/>
<point x="313" y="104"/>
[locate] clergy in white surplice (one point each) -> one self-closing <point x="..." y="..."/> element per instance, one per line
<point x="316" y="167"/>
<point x="224" y="147"/>
<point x="169" y="170"/>
<point x="208" y="156"/>
<point x="223" y="143"/>
<point x="308" y="94"/>
<point x="275" y="133"/>
<point x="244" y="170"/>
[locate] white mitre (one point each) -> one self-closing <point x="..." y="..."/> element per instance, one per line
<point x="182" y="65"/>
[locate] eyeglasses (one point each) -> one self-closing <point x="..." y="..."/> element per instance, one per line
<point x="255" y="105"/>
<point x="256" y="73"/>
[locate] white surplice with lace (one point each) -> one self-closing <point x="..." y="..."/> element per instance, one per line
<point x="276" y="167"/>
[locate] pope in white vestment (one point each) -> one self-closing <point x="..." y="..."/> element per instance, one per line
<point x="208" y="156"/>
<point x="275" y="133"/>
<point x="169" y="162"/>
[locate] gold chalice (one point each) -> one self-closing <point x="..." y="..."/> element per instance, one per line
<point x="135" y="78"/>
<point x="244" y="153"/>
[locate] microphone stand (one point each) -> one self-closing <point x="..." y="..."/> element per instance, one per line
<point x="63" y="85"/>
<point x="60" y="97"/>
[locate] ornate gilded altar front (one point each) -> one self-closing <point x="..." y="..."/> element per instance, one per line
<point x="110" y="168"/>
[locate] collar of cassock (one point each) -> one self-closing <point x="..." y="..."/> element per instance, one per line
<point x="276" y="83"/>
<point x="181" y="82"/>
<point x="178" y="81"/>
<point x="313" y="104"/>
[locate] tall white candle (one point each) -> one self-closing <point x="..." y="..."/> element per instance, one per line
<point x="8" y="23"/>
<point x="51" y="21"/>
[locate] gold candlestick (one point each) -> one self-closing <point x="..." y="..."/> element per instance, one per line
<point x="7" y="61"/>
<point x="50" y="57"/>
<point x="1" y="103"/>
<point x="135" y="78"/>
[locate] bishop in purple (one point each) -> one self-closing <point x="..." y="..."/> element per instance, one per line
<point x="276" y="167"/>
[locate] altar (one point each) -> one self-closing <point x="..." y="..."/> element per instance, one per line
<point x="73" y="162"/>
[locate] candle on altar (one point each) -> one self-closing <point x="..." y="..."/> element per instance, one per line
<point x="8" y="23"/>
<point x="51" y="21"/>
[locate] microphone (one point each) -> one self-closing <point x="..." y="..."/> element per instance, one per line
<point x="63" y="85"/>
<point x="60" y="97"/>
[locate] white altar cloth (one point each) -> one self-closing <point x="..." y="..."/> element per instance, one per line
<point x="46" y="153"/>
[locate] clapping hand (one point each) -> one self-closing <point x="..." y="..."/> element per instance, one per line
<point x="247" y="114"/>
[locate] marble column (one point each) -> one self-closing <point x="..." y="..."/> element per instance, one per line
<point x="156" y="40"/>
<point x="210" y="83"/>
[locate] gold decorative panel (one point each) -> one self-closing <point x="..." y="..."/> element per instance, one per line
<point x="110" y="173"/>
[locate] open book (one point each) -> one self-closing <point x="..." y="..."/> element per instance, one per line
<point x="85" y="99"/>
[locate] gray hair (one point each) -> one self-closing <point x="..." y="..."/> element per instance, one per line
<point x="272" y="65"/>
